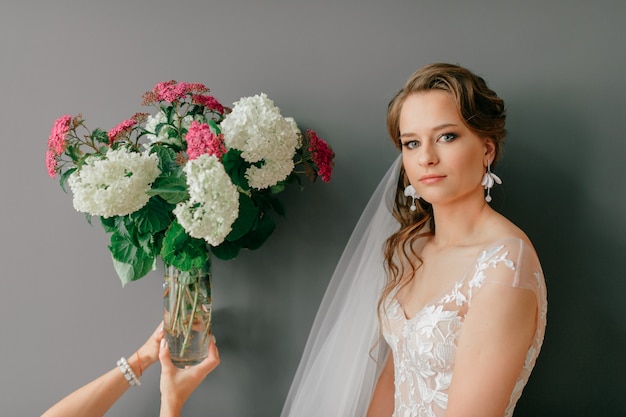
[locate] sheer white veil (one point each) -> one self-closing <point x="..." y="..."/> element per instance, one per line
<point x="343" y="354"/>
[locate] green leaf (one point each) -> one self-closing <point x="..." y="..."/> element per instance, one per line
<point x="100" y="135"/>
<point x="123" y="249"/>
<point x="153" y="217"/>
<point x="248" y="214"/>
<point x="215" y="127"/>
<point x="195" y="109"/>
<point x="278" y="188"/>
<point x="266" y="201"/>
<point x="166" y="129"/>
<point x="294" y="178"/>
<point x="74" y="153"/>
<point x="183" y="251"/>
<point x="172" y="188"/>
<point x="132" y="272"/>
<point x="145" y="243"/>
<point x="125" y="227"/>
<point x="167" y="158"/>
<point x="64" y="177"/>
<point x="227" y="250"/>
<point x="259" y="234"/>
<point x="169" y="112"/>
<point x="131" y="262"/>
<point x="109" y="224"/>
<point x="236" y="167"/>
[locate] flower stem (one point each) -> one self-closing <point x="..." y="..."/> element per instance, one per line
<point x="191" y="319"/>
<point x="208" y="327"/>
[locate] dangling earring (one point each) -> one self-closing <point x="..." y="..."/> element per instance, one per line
<point x="489" y="179"/>
<point x="409" y="191"/>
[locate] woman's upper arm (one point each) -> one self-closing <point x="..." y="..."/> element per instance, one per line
<point x="498" y="330"/>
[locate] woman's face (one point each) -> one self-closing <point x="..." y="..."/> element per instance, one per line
<point x="443" y="159"/>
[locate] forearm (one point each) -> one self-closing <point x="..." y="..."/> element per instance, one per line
<point x="93" y="399"/>
<point x="382" y="402"/>
<point x="98" y="396"/>
<point x="170" y="408"/>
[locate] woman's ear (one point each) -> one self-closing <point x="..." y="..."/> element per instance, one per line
<point x="490" y="151"/>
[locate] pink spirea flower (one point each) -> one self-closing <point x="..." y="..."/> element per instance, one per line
<point x="172" y="91"/>
<point x="56" y="140"/>
<point x="121" y="128"/>
<point x="51" y="163"/>
<point x="200" y="140"/>
<point x="321" y="154"/>
<point x="209" y="102"/>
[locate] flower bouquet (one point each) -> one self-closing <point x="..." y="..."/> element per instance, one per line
<point x="191" y="179"/>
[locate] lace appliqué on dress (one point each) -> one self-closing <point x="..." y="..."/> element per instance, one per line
<point x="488" y="258"/>
<point x="424" y="346"/>
<point x="424" y="351"/>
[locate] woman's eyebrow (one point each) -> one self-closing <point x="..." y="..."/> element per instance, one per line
<point x="436" y="128"/>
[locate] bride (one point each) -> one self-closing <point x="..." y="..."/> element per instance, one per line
<point x="438" y="304"/>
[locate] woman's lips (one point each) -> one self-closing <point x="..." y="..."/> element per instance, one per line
<point x="431" y="178"/>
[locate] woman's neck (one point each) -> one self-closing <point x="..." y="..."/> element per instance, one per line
<point x="461" y="224"/>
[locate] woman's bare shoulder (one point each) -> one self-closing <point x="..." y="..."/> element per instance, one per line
<point x="502" y="229"/>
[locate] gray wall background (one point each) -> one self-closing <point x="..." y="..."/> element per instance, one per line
<point x="333" y="65"/>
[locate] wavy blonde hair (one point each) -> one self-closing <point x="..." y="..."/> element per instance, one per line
<point x="483" y="113"/>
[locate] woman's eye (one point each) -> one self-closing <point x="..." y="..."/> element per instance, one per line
<point x="410" y="144"/>
<point x="447" y="137"/>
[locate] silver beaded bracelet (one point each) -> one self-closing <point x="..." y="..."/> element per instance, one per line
<point x="128" y="373"/>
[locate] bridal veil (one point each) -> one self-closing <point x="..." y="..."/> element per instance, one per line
<point x="344" y="353"/>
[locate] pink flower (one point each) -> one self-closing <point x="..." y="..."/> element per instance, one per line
<point x="321" y="154"/>
<point x="196" y="88"/>
<point x="56" y="140"/>
<point x="209" y="102"/>
<point x="149" y="98"/>
<point x="120" y="129"/>
<point x="200" y="140"/>
<point x="172" y="91"/>
<point x="51" y="163"/>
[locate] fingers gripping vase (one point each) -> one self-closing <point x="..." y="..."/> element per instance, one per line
<point x="187" y="312"/>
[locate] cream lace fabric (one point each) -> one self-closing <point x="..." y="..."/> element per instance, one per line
<point x="424" y="346"/>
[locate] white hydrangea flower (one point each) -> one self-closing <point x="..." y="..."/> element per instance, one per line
<point x="213" y="205"/>
<point x="151" y="124"/>
<point x="164" y="135"/>
<point x="270" y="173"/>
<point x="116" y="185"/>
<point x="256" y="128"/>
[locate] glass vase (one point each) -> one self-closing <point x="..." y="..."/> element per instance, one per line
<point x="187" y="312"/>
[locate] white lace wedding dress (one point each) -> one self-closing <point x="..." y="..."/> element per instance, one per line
<point x="344" y="355"/>
<point x="424" y="346"/>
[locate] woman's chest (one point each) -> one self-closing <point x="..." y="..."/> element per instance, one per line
<point x="428" y="340"/>
<point x="438" y="275"/>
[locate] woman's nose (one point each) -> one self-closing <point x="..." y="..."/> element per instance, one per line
<point x="428" y="155"/>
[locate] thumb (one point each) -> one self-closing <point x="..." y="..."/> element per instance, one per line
<point x="164" y="355"/>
